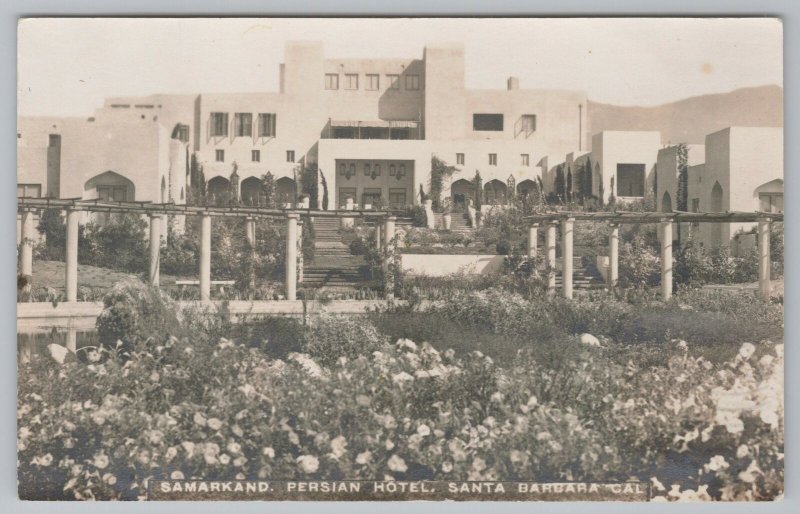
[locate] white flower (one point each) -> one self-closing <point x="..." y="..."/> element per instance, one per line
<point x="423" y="430"/>
<point x="397" y="464"/>
<point x="339" y="446"/>
<point x="234" y="447"/>
<point x="269" y="452"/>
<point x="447" y="467"/>
<point x="363" y="457"/>
<point x="742" y="451"/>
<point x="176" y="475"/>
<point x="199" y="419"/>
<point x="214" y="423"/>
<point x="497" y="397"/>
<point x="717" y="463"/>
<point x="747" y="350"/>
<point x="188" y="446"/>
<point x="400" y="378"/>
<point x="101" y="461"/>
<point x="389" y="445"/>
<point x="308" y="463"/>
<point x="171" y="453"/>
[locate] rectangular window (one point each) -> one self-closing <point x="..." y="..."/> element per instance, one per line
<point x="630" y="180"/>
<point x="331" y="81"/>
<point x="492" y="159"/>
<point x="490" y="122"/>
<point x="219" y="155"/>
<point x="255" y="155"/>
<point x="459" y="158"/>
<point x="243" y="124"/>
<point x="397" y="198"/>
<point x="289" y="155"/>
<point x="266" y="124"/>
<point x="394" y="81"/>
<point x="29" y="190"/>
<point x="770" y="202"/>
<point x="112" y="193"/>
<point x="345" y="193"/>
<point x="54" y="140"/>
<point x="412" y="82"/>
<point x="528" y="123"/>
<point x="526" y="159"/>
<point x="219" y="124"/>
<point x="351" y="81"/>
<point x="371" y="196"/>
<point x="373" y="82"/>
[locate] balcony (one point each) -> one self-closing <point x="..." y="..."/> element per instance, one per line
<point x="375" y="129"/>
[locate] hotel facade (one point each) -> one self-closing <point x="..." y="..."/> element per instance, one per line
<point x="371" y="127"/>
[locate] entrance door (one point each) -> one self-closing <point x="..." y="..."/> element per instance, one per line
<point x="371" y="196"/>
<point x="397" y="198"/>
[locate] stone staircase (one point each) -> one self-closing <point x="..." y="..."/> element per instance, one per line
<point x="459" y="222"/>
<point x="583" y="277"/>
<point x="333" y="268"/>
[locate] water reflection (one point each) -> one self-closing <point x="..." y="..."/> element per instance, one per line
<point x="35" y="343"/>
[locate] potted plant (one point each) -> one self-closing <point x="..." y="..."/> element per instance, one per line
<point x="447" y="209"/>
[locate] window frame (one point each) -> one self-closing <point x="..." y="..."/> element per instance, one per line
<point x="394" y="81"/>
<point x="460" y="159"/>
<point x="243" y="124"/>
<point x="219" y="124"/>
<point x="219" y="155"/>
<point x="415" y="82"/>
<point x="370" y="77"/>
<point x="290" y="156"/>
<point x="330" y="84"/>
<point x="488" y="122"/>
<point x="526" y="159"/>
<point x="268" y="128"/>
<point x="492" y="159"/>
<point x="532" y="118"/>
<point x="348" y="77"/>
<point x="255" y="155"/>
<point x="25" y="190"/>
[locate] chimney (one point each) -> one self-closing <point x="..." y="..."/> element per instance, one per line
<point x="513" y="83"/>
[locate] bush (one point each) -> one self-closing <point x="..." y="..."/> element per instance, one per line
<point x="333" y="337"/>
<point x="503" y="247"/>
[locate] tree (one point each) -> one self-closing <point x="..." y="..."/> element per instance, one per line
<point x="682" y="200"/>
<point x="478" y="182"/>
<point x="268" y="190"/>
<point x="324" y="190"/>
<point x="198" y="190"/>
<point x="310" y="184"/>
<point x="439" y="170"/>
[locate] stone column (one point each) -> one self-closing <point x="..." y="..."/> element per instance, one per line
<point x="764" y="259"/>
<point x="348" y="206"/>
<point x="205" y="257"/>
<point x="613" y="256"/>
<point x="300" y="259"/>
<point x="72" y="339"/>
<point x="567" y="226"/>
<point x="666" y="259"/>
<point x="388" y="246"/>
<point x="155" y="248"/>
<point x="291" y="256"/>
<point x="429" y="217"/>
<point x="26" y="249"/>
<point x="71" y="274"/>
<point x="378" y="235"/>
<point x="250" y="231"/>
<point x="550" y="243"/>
<point x="533" y="243"/>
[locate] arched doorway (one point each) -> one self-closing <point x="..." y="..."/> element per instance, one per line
<point x="460" y="191"/>
<point x="251" y="191"/>
<point x="528" y="188"/>
<point x="666" y="203"/>
<point x="108" y="186"/>
<point x="285" y="191"/>
<point x="495" y="192"/>
<point x="716" y="206"/>
<point x="218" y="190"/>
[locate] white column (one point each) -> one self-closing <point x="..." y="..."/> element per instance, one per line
<point x="550" y="243"/>
<point x="300" y="260"/>
<point x="566" y="255"/>
<point x="26" y="248"/>
<point x="155" y="248"/>
<point x="613" y="256"/>
<point x="764" y="259"/>
<point x="71" y="274"/>
<point x="205" y="257"/>
<point x="533" y="235"/>
<point x="430" y="220"/>
<point x="250" y="231"/>
<point x="348" y="206"/>
<point x="291" y="256"/>
<point x="378" y="235"/>
<point x="388" y="229"/>
<point x="666" y="259"/>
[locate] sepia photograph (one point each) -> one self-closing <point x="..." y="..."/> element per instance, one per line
<point x="400" y="259"/>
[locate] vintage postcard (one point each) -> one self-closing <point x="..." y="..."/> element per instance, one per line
<point x="400" y="259"/>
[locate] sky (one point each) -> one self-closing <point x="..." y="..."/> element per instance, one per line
<point x="67" y="67"/>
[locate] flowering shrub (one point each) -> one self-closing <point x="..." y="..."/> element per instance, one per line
<point x="102" y="429"/>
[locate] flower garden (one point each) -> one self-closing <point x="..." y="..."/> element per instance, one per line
<point x="491" y="384"/>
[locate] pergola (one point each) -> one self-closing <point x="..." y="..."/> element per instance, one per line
<point x="74" y="206"/>
<point x="665" y="220"/>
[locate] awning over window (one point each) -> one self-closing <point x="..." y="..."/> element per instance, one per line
<point x="374" y="123"/>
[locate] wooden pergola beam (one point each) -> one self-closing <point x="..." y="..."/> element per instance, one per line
<point x="656" y="217"/>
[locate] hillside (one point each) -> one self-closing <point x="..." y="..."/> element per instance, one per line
<point x="689" y="120"/>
